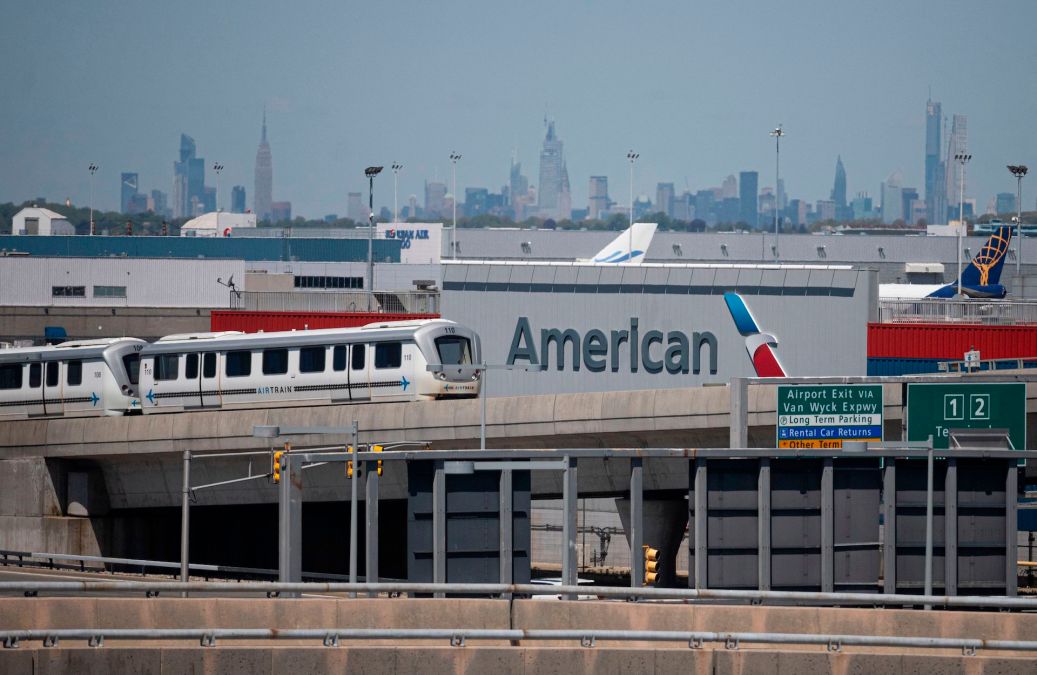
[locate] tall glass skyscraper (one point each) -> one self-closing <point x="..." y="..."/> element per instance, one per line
<point x="748" y="191"/>
<point x="935" y="184"/>
<point x="188" y="179"/>
<point x="839" y="187"/>
<point x="551" y="168"/>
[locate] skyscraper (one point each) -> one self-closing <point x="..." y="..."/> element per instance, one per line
<point x="237" y="199"/>
<point x="355" y="208"/>
<point x="551" y="168"/>
<point x="748" y="184"/>
<point x="839" y="187"/>
<point x="188" y="179"/>
<point x="957" y="143"/>
<point x="565" y="197"/>
<point x="935" y="182"/>
<point x="599" y="196"/>
<point x="130" y="181"/>
<point x="664" y="195"/>
<point x="892" y="199"/>
<point x="263" y="195"/>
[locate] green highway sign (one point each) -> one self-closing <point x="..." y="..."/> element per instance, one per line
<point x="935" y="409"/>
<point x="823" y="416"/>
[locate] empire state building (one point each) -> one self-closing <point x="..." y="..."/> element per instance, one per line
<point x="264" y="178"/>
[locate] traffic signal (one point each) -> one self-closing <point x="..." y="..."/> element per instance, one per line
<point x="275" y="469"/>
<point x="651" y="565"/>
<point x="378" y="448"/>
<point x="349" y="463"/>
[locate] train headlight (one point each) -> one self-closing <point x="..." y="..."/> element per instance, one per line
<point x="125" y="389"/>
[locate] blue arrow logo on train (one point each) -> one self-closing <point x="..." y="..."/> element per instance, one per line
<point x="94" y="398"/>
<point x="151" y="396"/>
<point x="404" y="382"/>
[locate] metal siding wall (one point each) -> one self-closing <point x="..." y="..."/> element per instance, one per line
<point x="252" y="322"/>
<point x="819" y="334"/>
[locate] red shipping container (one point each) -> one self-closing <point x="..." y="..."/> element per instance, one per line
<point x="950" y="341"/>
<point x="253" y="322"/>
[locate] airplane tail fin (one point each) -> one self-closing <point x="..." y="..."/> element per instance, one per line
<point x="630" y="246"/>
<point x="985" y="268"/>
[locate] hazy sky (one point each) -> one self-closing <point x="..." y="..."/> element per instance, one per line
<point x="693" y="86"/>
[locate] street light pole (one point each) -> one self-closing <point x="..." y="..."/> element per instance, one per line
<point x="1018" y="171"/>
<point x="218" y="168"/>
<point x="92" y="169"/>
<point x="777" y="134"/>
<point x="963" y="159"/>
<point x="631" y="157"/>
<point x="396" y="166"/>
<point x="370" y="172"/>
<point x="454" y="156"/>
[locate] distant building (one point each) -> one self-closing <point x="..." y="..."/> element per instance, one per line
<point x="704" y="206"/>
<point x="892" y="199"/>
<point x="159" y="203"/>
<point x="127" y="190"/>
<point x="664" y="198"/>
<point x="34" y="221"/>
<point x="476" y="201"/>
<point x="598" y="196"/>
<point x="138" y="203"/>
<point x="839" y="186"/>
<point x="748" y="194"/>
<point x="825" y="209"/>
<point x="355" y="208"/>
<point x="729" y="188"/>
<point x="435" y="199"/>
<point x="552" y="167"/>
<point x="188" y="179"/>
<point x="1005" y="203"/>
<point x="935" y="167"/>
<point x="862" y="207"/>
<point x="909" y="197"/>
<point x="209" y="199"/>
<point x="683" y="207"/>
<point x="263" y="195"/>
<point x="216" y="224"/>
<point x="237" y="199"/>
<point x="958" y="143"/>
<point x="280" y="211"/>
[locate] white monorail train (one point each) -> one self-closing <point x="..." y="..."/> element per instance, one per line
<point x="377" y="362"/>
<point x="75" y="379"/>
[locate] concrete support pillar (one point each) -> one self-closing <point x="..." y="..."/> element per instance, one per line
<point x="663" y="529"/>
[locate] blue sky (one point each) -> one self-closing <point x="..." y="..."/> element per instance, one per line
<point x="693" y="87"/>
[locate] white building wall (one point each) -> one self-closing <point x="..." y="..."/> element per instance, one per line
<point x="148" y="282"/>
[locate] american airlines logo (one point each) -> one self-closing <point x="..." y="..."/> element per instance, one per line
<point x="758" y="344"/>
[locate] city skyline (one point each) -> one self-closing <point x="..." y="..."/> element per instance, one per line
<point x="372" y="85"/>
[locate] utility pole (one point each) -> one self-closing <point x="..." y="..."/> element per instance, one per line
<point x="454" y="156"/>
<point x="777" y="134"/>
<point x="963" y="159"/>
<point x="631" y="157"/>
<point x="396" y="166"/>
<point x="92" y="169"/>
<point x="1018" y="171"/>
<point x="370" y="172"/>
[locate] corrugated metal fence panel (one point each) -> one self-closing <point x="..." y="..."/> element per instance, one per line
<point x="879" y="367"/>
<point x="252" y="322"/>
<point x="950" y="342"/>
<point x="320" y="250"/>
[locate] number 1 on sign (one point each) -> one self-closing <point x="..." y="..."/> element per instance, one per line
<point x="954" y="406"/>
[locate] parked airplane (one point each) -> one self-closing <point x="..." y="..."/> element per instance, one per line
<point x="978" y="280"/>
<point x="629" y="247"/>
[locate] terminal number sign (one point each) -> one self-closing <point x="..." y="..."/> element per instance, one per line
<point x="935" y="409"/>
<point x="824" y="416"/>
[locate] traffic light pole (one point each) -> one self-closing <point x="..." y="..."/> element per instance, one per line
<point x="290" y="521"/>
<point x="371" y="534"/>
<point x="185" y="521"/>
<point x="353" y="488"/>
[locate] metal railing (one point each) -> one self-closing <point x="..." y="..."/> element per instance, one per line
<point x="459" y="637"/>
<point x="933" y="310"/>
<point x="389" y="302"/>
<point x="986" y="365"/>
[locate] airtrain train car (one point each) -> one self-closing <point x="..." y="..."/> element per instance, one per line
<point x="376" y="362"/>
<point x="73" y="379"/>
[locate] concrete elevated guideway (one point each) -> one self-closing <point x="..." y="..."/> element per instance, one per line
<point x="134" y="462"/>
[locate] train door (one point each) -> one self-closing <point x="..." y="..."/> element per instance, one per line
<point x="388" y="380"/>
<point x="34" y="393"/>
<point x="52" y="391"/>
<point x="359" y="373"/>
<point x="208" y="385"/>
<point x="342" y="391"/>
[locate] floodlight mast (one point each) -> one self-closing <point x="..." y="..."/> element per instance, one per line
<point x="370" y="172"/>
<point x="1019" y="171"/>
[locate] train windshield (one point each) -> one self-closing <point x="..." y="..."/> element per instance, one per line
<point x="454" y="350"/>
<point x="132" y="364"/>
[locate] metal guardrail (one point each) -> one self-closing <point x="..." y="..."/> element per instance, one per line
<point x="641" y="594"/>
<point x="389" y="302"/>
<point x="932" y="310"/>
<point x="35" y="559"/>
<point x="986" y="365"/>
<point x="588" y="638"/>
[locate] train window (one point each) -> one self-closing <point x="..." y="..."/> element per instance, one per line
<point x="358" y="357"/>
<point x="167" y="366"/>
<point x="209" y="365"/>
<point x="191" y="367"/>
<point x="388" y="355"/>
<point x="239" y="364"/>
<point x="74" y="373"/>
<point x="311" y="359"/>
<point x="453" y="350"/>
<point x="35" y="376"/>
<point x="11" y="376"/>
<point x="275" y="361"/>
<point x="131" y="362"/>
<point x="338" y="358"/>
<point x="52" y="373"/>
